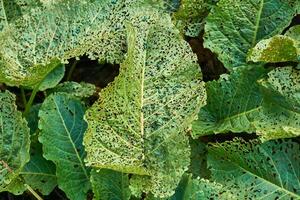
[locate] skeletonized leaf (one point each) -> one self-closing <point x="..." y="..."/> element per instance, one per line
<point x="257" y="171"/>
<point x="62" y="128"/>
<point x="235" y="26"/>
<point x="108" y="184"/>
<point x="138" y="125"/>
<point x="65" y="30"/>
<point x="15" y="142"/>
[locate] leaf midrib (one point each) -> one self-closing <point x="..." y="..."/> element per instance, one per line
<point x="258" y="18"/>
<point x="4" y="13"/>
<point x="69" y="137"/>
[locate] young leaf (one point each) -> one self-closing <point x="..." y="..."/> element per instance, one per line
<point x="278" y="48"/>
<point x="257" y="171"/>
<point x="39" y="173"/>
<point x="15" y="142"/>
<point x="108" y="184"/>
<point x="232" y="102"/>
<point x="62" y="128"/>
<point x="138" y="125"/>
<point x="235" y="26"/>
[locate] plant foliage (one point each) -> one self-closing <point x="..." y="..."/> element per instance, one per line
<point x="161" y="129"/>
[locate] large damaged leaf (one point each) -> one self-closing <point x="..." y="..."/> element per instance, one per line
<point x="279" y="115"/>
<point x="252" y="101"/>
<point x="62" y="128"/>
<point x="65" y="30"/>
<point x="139" y="124"/>
<point x="257" y="171"/>
<point x="15" y="143"/>
<point x="235" y="26"/>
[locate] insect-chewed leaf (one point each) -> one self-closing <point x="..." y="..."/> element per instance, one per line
<point x="257" y="171"/>
<point x="138" y="125"/>
<point x="192" y="189"/>
<point x="108" y="184"/>
<point x="65" y="30"/>
<point x="280" y="48"/>
<point x="12" y="10"/>
<point x="280" y="114"/>
<point x="252" y="101"/>
<point x="62" y="128"/>
<point x="232" y="102"/>
<point x="235" y="26"/>
<point x="14" y="149"/>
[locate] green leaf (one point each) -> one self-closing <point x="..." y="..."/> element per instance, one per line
<point x="198" y="165"/>
<point x="232" y="102"/>
<point x="62" y="128"/>
<point x="53" y="78"/>
<point x="235" y="26"/>
<point x="108" y="184"/>
<point x="139" y="124"/>
<point x="33" y="119"/>
<point x="79" y="90"/>
<point x="278" y="48"/>
<point x="15" y="142"/>
<point x="39" y="173"/>
<point x="257" y="171"/>
<point x="280" y="114"/>
<point x="246" y="101"/>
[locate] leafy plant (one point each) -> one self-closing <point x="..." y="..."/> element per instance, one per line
<point x="157" y="131"/>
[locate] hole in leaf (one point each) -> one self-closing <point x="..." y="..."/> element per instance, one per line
<point x="91" y="71"/>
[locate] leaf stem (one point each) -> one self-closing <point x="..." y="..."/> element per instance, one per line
<point x="33" y="192"/>
<point x="72" y="70"/>
<point x="30" y="101"/>
<point x="23" y="96"/>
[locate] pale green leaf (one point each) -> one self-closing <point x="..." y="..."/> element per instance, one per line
<point x="278" y="48"/>
<point x="235" y="26"/>
<point x="79" y="90"/>
<point x="15" y="142"/>
<point x="257" y="171"/>
<point x="61" y="131"/>
<point x="192" y="189"/>
<point x="108" y="184"/>
<point x="145" y="112"/>
<point x="39" y="173"/>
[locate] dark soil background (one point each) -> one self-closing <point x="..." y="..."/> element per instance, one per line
<point x="101" y="74"/>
